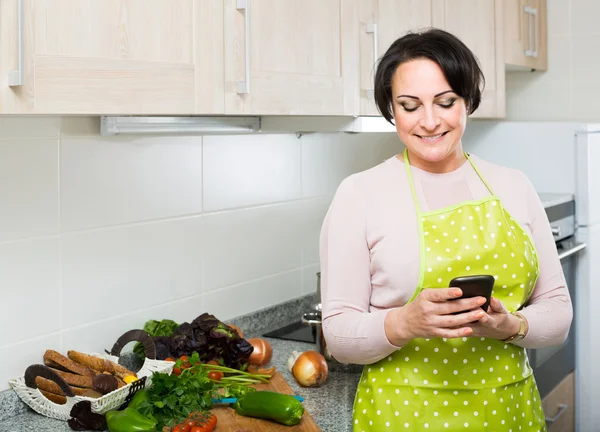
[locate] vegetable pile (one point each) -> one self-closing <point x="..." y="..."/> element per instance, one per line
<point x="206" y="335"/>
<point x="173" y="398"/>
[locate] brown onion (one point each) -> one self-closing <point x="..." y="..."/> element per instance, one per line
<point x="262" y="353"/>
<point x="310" y="369"/>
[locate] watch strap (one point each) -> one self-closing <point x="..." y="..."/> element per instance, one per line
<point x="520" y="334"/>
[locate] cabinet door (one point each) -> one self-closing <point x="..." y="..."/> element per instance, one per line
<point x="559" y="408"/>
<point x="291" y="57"/>
<point x="478" y="23"/>
<point x="108" y="57"/>
<point x="381" y="23"/>
<point x="525" y="35"/>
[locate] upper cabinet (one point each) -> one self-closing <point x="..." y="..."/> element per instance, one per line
<point x="240" y="57"/>
<point x="479" y="24"/>
<point x="291" y="57"/>
<point x="91" y="56"/>
<point x="381" y="23"/>
<point x="525" y="34"/>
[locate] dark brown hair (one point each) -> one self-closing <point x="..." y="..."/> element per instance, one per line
<point x="457" y="61"/>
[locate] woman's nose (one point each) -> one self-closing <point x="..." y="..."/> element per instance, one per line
<point x="430" y="120"/>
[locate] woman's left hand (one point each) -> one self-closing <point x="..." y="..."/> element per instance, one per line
<point x="497" y="323"/>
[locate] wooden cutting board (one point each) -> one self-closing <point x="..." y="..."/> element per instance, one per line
<point x="229" y="421"/>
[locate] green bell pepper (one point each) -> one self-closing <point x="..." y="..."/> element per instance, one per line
<point x="129" y="420"/>
<point x="137" y="399"/>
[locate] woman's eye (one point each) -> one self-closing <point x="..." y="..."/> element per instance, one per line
<point x="409" y="108"/>
<point x="447" y="104"/>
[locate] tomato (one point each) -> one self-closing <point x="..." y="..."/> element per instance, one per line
<point x="169" y="359"/>
<point x="215" y="375"/>
<point x="188" y="426"/>
<point x="186" y="364"/>
<point x="177" y="371"/>
<point x="176" y="429"/>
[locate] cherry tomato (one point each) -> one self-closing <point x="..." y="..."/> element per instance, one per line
<point x="215" y="375"/>
<point x="169" y="359"/>
<point x="188" y="426"/>
<point x="176" y="429"/>
<point x="186" y="364"/>
<point x="177" y="371"/>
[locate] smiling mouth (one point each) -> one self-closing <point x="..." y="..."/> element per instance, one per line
<point x="432" y="137"/>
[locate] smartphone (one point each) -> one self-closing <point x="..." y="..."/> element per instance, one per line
<point x="475" y="286"/>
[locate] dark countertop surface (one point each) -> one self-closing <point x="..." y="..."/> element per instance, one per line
<point x="330" y="405"/>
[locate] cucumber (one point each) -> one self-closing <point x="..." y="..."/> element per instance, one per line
<point x="268" y="405"/>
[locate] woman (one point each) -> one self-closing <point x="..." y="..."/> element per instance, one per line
<point x="394" y="237"/>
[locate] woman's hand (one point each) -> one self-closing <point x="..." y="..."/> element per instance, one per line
<point x="430" y="315"/>
<point x="497" y="323"/>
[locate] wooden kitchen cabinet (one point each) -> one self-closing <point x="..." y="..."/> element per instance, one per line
<point x="479" y="24"/>
<point x="525" y="34"/>
<point x="108" y="56"/>
<point x="559" y="406"/>
<point x="291" y="57"/>
<point x="381" y="23"/>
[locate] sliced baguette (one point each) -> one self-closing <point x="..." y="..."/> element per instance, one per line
<point x="75" y="380"/>
<point x="99" y="364"/>
<point x="75" y="367"/>
<point x="57" y="399"/>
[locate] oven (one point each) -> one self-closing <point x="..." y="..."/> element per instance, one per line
<point x="552" y="364"/>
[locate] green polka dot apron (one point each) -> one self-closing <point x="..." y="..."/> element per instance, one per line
<point x="467" y="383"/>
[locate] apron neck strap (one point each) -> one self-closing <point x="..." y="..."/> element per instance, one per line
<point x="412" y="186"/>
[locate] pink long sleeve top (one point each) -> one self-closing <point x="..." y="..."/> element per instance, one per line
<point x="369" y="248"/>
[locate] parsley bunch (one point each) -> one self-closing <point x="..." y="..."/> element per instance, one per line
<point x="172" y="398"/>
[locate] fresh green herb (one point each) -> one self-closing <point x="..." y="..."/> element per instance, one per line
<point x="173" y="398"/>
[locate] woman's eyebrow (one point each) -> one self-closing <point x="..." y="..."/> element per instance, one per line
<point x="416" y="98"/>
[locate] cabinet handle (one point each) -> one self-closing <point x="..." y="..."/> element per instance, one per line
<point x="529" y="11"/>
<point x="561" y="410"/>
<point x="16" y="77"/>
<point x="243" y="87"/>
<point x="534" y="12"/>
<point x="372" y="29"/>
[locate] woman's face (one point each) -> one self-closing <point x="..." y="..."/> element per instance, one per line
<point x="430" y="118"/>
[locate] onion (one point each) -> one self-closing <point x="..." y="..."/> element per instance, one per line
<point x="262" y="353"/>
<point x="292" y="359"/>
<point x="310" y="369"/>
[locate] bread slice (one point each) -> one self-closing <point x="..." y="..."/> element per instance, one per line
<point x="100" y="364"/>
<point x="75" y="380"/>
<point x="57" y="399"/>
<point x="52" y="387"/>
<point x="52" y="356"/>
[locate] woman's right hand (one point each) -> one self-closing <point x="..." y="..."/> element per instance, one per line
<point x="430" y="315"/>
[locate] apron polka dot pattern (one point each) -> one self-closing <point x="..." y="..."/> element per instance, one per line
<point x="463" y="383"/>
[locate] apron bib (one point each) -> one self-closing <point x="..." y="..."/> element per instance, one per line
<point x="466" y="383"/>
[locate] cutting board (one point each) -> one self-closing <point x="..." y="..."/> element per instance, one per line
<point x="229" y="421"/>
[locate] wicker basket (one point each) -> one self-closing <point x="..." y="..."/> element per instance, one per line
<point x="27" y="390"/>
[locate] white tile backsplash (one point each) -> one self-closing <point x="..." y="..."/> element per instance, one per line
<point x="100" y="234"/>
<point x="251" y="243"/>
<point x="242" y="171"/>
<point x="106" y="181"/>
<point x="28" y="187"/>
<point x="254" y="295"/>
<point x="29" y="289"/>
<point x="18" y="357"/>
<point x="124" y="269"/>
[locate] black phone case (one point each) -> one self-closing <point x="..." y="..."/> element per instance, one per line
<point x="475" y="286"/>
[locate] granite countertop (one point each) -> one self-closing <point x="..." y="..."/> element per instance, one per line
<point x="330" y="405"/>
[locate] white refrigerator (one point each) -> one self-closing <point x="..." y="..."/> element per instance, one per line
<point x="587" y="310"/>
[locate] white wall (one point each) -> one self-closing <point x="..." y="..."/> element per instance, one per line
<point x="544" y="151"/>
<point x="569" y="89"/>
<point x="98" y="235"/>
